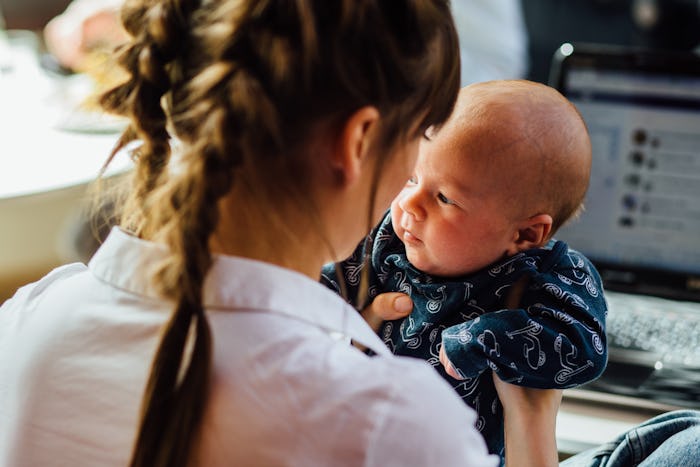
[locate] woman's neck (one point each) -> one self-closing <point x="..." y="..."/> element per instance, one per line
<point x="287" y="241"/>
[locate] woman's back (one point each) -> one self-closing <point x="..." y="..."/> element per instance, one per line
<point x="284" y="390"/>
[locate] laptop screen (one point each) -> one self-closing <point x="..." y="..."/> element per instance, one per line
<point x="641" y="226"/>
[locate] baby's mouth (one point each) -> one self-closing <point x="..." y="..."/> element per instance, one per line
<point x="409" y="238"/>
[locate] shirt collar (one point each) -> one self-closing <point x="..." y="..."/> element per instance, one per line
<point x="126" y="262"/>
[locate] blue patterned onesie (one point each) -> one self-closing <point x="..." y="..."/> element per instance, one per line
<point x="555" y="339"/>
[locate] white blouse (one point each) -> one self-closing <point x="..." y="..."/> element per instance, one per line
<point x="76" y="347"/>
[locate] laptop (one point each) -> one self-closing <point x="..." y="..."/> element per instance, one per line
<point x="641" y="225"/>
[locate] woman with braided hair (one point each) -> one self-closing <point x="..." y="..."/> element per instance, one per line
<point x="267" y="137"/>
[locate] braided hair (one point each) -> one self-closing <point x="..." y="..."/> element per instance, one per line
<point x="240" y="88"/>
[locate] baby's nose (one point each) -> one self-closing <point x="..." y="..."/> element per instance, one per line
<point x="411" y="203"/>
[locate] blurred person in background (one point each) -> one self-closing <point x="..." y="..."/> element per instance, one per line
<point x="85" y="26"/>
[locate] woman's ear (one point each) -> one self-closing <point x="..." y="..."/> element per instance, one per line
<point x="533" y="232"/>
<point x="354" y="142"/>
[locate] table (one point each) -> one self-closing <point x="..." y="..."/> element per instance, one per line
<point x="49" y="151"/>
<point x="588" y="419"/>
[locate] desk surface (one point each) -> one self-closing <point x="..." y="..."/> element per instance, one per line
<point x="581" y="426"/>
<point x="588" y="419"/>
<point x="50" y="149"/>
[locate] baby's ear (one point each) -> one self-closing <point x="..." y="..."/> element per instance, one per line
<point x="533" y="232"/>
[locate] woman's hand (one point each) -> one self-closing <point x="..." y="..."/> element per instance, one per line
<point x="530" y="424"/>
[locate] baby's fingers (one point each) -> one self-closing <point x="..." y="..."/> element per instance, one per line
<point x="447" y="364"/>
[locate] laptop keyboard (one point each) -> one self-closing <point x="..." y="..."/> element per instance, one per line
<point x="667" y="330"/>
<point x="653" y="351"/>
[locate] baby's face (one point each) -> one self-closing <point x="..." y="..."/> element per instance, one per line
<point x="452" y="214"/>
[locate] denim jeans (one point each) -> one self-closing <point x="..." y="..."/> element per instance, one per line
<point x="669" y="439"/>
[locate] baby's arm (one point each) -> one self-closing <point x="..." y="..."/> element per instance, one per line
<point x="554" y="339"/>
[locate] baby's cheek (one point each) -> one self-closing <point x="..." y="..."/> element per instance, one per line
<point x="420" y="260"/>
<point x="396" y="214"/>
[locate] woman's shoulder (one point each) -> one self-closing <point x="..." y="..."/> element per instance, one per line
<point x="308" y="392"/>
<point x="26" y="296"/>
<point x="421" y="417"/>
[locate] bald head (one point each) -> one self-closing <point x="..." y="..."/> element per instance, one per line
<point x="533" y="140"/>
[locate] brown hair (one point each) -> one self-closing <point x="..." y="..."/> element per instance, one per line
<point x="242" y="86"/>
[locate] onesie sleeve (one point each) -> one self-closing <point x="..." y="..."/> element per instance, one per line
<point x="555" y="339"/>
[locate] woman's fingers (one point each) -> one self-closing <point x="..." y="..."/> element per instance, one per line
<point x="385" y="307"/>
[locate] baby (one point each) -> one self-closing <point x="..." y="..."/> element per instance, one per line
<point x="469" y="239"/>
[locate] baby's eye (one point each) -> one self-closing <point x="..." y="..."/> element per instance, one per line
<point x="444" y="199"/>
<point x="412" y="180"/>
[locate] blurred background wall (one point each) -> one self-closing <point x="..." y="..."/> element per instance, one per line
<point x="654" y="23"/>
<point x="30" y="14"/>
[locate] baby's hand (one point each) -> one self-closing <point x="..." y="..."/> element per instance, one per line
<point x="387" y="306"/>
<point x="449" y="368"/>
